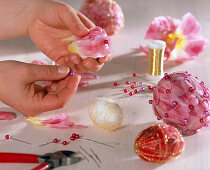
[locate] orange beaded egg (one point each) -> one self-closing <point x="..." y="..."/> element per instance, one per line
<point x="159" y="143"/>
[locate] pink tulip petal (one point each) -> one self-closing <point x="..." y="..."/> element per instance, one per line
<point x="195" y="47"/>
<point x="39" y="62"/>
<point x="190" y="27"/>
<point x="7" y="115"/>
<point x="61" y="121"/>
<point x="95" y="44"/>
<point x="161" y="27"/>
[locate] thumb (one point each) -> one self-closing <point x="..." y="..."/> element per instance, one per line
<point x="48" y="72"/>
<point x="69" y="16"/>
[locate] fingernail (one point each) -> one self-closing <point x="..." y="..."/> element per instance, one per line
<point x="63" y="70"/>
<point x="88" y="64"/>
<point x="75" y="59"/>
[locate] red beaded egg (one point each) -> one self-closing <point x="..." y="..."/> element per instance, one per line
<point x="159" y="143"/>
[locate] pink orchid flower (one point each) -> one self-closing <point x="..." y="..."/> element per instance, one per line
<point x="183" y="37"/>
<point x="95" y="44"/>
<point x="60" y="122"/>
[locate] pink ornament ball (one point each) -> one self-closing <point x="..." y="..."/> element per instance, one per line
<point x="183" y="101"/>
<point x="104" y="13"/>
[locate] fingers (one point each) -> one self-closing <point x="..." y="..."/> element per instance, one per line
<point x="89" y="24"/>
<point x="92" y="65"/>
<point x="47" y="72"/>
<point x="105" y="59"/>
<point x="64" y="92"/>
<point x="69" y="16"/>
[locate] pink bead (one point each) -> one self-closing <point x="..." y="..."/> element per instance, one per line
<point x="134" y="74"/>
<point x="166" y="115"/>
<point x="134" y="83"/>
<point x="55" y="140"/>
<point x="130" y="94"/>
<point x="106" y="42"/>
<point x="132" y="86"/>
<point x="191" y="89"/>
<point x="136" y="91"/>
<point x="74" y="135"/>
<point x="7" y="137"/>
<point x="168" y="91"/>
<point x="64" y="142"/>
<point x="127" y="82"/>
<point x="115" y="83"/>
<point x="202" y="120"/>
<point x="150" y="101"/>
<point x="77" y="136"/>
<point x="167" y="77"/>
<point x="125" y="90"/>
<point x="72" y="138"/>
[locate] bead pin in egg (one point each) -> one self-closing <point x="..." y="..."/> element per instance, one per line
<point x="183" y="101"/>
<point x="106" y="113"/>
<point x="159" y="143"/>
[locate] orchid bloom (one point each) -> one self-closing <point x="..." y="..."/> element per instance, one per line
<point x="183" y="37"/>
<point x="95" y="44"/>
<point x="60" y="122"/>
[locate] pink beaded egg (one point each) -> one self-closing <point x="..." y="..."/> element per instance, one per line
<point x="104" y="13"/>
<point x="183" y="101"/>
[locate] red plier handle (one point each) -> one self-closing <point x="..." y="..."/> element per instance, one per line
<point x="18" y="158"/>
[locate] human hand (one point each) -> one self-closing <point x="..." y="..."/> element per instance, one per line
<point x="20" y="91"/>
<point x="54" y="21"/>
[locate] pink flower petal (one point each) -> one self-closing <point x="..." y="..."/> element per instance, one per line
<point x="61" y="121"/>
<point x="95" y="44"/>
<point x="39" y="62"/>
<point x="7" y="115"/>
<point x="195" y="47"/>
<point x="190" y="27"/>
<point x="161" y="27"/>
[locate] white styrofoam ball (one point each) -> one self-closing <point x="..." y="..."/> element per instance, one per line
<point x="106" y="113"/>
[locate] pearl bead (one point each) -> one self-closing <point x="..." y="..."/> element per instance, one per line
<point x="202" y="83"/>
<point x="136" y="91"/>
<point x="134" y="83"/>
<point x="185" y="120"/>
<point x="174" y="103"/>
<point x="74" y="135"/>
<point x="64" y="142"/>
<point x="158" y="118"/>
<point x="132" y="86"/>
<point x="71" y="73"/>
<point x="134" y="74"/>
<point x="191" y="107"/>
<point x="141" y="83"/>
<point x="7" y="137"/>
<point x="166" y="74"/>
<point x="127" y="82"/>
<point x="149" y="87"/>
<point x="55" y="140"/>
<point x="106" y="41"/>
<point x="125" y="90"/>
<point x="150" y="101"/>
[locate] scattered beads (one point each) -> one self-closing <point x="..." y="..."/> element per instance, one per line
<point x="127" y="82"/>
<point x="64" y="142"/>
<point x="115" y="83"/>
<point x="71" y="73"/>
<point x="150" y="101"/>
<point x="125" y="90"/>
<point x="55" y="140"/>
<point x="134" y="74"/>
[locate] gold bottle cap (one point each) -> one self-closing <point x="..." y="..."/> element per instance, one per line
<point x="156" y="56"/>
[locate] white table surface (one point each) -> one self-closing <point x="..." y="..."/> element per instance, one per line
<point x="138" y="114"/>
